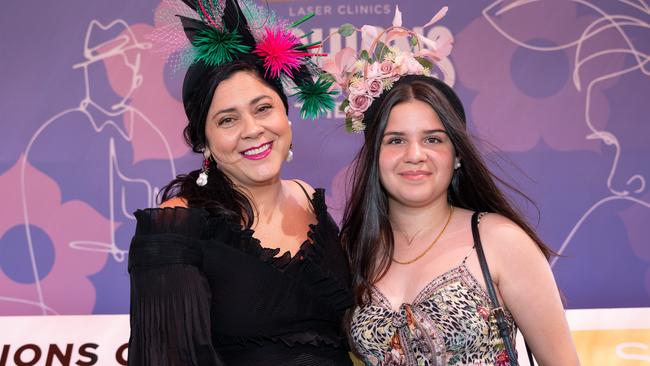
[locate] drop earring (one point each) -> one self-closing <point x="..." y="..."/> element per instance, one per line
<point x="457" y="164"/>
<point x="202" y="180"/>
<point x="290" y="154"/>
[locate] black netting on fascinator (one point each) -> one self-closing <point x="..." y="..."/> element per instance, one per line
<point x="201" y="79"/>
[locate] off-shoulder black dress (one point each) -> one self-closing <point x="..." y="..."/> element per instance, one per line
<point x="204" y="292"/>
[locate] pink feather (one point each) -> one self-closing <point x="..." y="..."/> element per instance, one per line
<point x="278" y="50"/>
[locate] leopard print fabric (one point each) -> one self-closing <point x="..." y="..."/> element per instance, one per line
<point x="448" y="323"/>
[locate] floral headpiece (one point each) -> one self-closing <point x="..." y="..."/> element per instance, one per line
<point x="366" y="75"/>
<point x="216" y="32"/>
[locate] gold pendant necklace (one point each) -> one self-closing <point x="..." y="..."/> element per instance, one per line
<point x="451" y="210"/>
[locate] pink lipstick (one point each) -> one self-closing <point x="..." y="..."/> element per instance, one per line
<point x="258" y="152"/>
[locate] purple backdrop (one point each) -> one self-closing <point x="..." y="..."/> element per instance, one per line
<point x="92" y="126"/>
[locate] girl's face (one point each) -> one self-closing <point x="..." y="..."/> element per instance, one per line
<point x="416" y="156"/>
<point x="247" y="130"/>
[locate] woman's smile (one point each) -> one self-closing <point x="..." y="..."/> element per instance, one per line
<point x="258" y="152"/>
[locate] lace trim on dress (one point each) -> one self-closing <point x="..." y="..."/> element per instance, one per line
<point x="251" y="245"/>
<point x="305" y="265"/>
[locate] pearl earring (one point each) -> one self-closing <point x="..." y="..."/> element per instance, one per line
<point x="202" y="180"/>
<point x="457" y="164"/>
<point x="290" y="153"/>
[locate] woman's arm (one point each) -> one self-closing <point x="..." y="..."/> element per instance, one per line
<point x="528" y="289"/>
<point x="170" y="295"/>
<point x="170" y="317"/>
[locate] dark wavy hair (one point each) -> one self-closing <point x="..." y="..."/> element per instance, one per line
<point x="219" y="195"/>
<point x="366" y="230"/>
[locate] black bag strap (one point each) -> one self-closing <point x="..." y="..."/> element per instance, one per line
<point x="496" y="307"/>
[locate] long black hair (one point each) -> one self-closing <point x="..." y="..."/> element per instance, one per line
<point x="220" y="194"/>
<point x="366" y="230"/>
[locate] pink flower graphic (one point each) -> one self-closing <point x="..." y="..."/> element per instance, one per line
<point x="66" y="288"/>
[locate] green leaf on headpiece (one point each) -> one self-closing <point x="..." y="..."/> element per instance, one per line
<point x="344" y="105"/>
<point x="215" y="47"/>
<point x="348" y="125"/>
<point x="365" y="56"/>
<point x="380" y="51"/>
<point x="424" y="62"/>
<point x="316" y="98"/>
<point x="346" y="30"/>
<point x="413" y="41"/>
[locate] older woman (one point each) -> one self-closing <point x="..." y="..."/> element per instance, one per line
<point x="238" y="266"/>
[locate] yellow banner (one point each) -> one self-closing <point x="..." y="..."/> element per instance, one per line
<point x="624" y="347"/>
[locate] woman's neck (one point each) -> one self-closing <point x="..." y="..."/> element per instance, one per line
<point x="266" y="199"/>
<point x="413" y="221"/>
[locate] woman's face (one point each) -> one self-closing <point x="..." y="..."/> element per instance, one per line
<point x="247" y="130"/>
<point x="416" y="156"/>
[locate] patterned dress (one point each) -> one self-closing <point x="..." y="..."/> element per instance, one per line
<point x="448" y="323"/>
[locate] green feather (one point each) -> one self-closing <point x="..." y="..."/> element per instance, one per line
<point x="303" y="46"/>
<point x="316" y="98"/>
<point x="215" y="47"/>
<point x="302" y="20"/>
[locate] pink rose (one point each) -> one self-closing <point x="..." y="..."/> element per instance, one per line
<point x="380" y="70"/>
<point x="373" y="70"/>
<point x="375" y="87"/>
<point x="354" y="115"/>
<point x="359" y="102"/>
<point x="358" y="87"/>
<point x="386" y="68"/>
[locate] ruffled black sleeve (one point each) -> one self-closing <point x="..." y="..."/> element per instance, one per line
<point x="170" y="296"/>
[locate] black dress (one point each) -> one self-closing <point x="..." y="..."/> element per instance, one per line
<point x="204" y="292"/>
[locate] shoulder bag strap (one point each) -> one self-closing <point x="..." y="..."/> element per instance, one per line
<point x="496" y="307"/>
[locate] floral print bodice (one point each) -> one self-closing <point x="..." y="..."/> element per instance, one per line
<point x="448" y="323"/>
